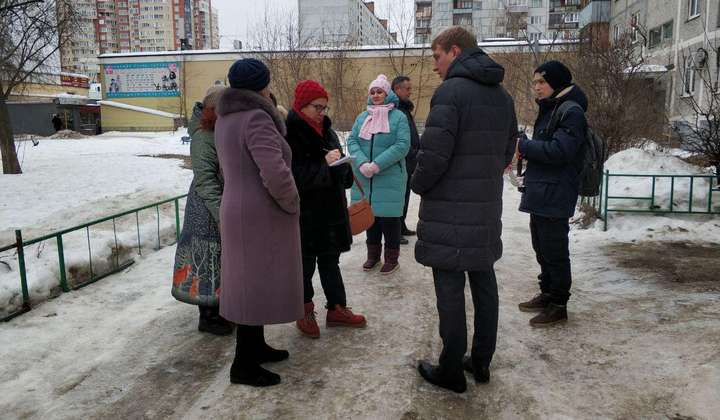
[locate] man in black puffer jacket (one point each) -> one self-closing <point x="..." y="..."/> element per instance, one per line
<point x="469" y="139"/>
<point x="551" y="186"/>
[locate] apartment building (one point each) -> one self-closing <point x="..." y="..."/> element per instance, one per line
<point x="488" y="19"/>
<point x="342" y="22"/>
<point x="679" y="40"/>
<point x="121" y="26"/>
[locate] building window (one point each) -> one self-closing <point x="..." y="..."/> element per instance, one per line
<point x="462" y="4"/>
<point x="655" y="37"/>
<point x="477" y="5"/>
<point x="634" y="22"/>
<point x="693" y="9"/>
<point x="534" y="36"/>
<point x="689" y="78"/>
<point x="667" y="31"/>
<point x="536" y="3"/>
<point x="616" y="33"/>
<point x="462" y="19"/>
<point x="572" y="18"/>
<point x="659" y="34"/>
<point x="536" y="20"/>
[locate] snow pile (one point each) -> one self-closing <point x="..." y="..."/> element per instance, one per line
<point x="652" y="160"/>
<point x="656" y="162"/>
<point x="67" y="183"/>
<point x="67" y="134"/>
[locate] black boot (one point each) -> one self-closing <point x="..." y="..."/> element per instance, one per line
<point x="436" y="376"/>
<point x="480" y="371"/>
<point x="407" y="232"/>
<point x="536" y="304"/>
<point x="246" y="369"/>
<point x="267" y="354"/>
<point x="551" y="315"/>
<point x="211" y="321"/>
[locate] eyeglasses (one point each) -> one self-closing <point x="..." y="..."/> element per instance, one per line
<point x="320" y="108"/>
<point x="376" y="91"/>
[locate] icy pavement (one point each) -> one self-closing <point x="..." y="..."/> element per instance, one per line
<point x="123" y="348"/>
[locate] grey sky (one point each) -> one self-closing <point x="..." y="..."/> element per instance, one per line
<point x="238" y="16"/>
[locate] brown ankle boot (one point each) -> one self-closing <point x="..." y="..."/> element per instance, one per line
<point x="391" y="261"/>
<point x="373" y="257"/>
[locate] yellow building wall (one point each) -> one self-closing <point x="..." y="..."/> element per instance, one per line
<point x="23" y="92"/>
<point x="119" y="119"/>
<point x="345" y="75"/>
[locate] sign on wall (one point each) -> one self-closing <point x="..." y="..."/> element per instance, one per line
<point x="133" y="80"/>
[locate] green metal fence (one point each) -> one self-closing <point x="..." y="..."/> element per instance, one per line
<point x="707" y="207"/>
<point x="21" y="243"/>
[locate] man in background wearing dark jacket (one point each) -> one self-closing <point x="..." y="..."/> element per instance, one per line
<point x="469" y="139"/>
<point x="551" y="186"/>
<point x="402" y="86"/>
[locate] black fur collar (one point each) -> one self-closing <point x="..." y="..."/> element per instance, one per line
<point x="237" y="100"/>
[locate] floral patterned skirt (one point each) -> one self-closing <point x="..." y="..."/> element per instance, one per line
<point x="196" y="277"/>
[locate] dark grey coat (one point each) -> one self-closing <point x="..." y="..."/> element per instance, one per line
<point x="468" y="141"/>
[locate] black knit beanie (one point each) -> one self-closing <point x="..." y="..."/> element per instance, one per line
<point x="556" y="74"/>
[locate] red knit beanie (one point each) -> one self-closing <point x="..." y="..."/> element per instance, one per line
<point x="306" y="92"/>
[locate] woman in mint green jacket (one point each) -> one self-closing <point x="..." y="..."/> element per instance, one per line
<point x="379" y="141"/>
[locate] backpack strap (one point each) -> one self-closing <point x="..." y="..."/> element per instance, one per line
<point x="559" y="114"/>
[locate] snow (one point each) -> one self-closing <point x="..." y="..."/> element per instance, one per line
<point x="124" y="348"/>
<point x="652" y="160"/>
<point x="70" y="182"/>
<point x="647" y="68"/>
<point x="138" y="109"/>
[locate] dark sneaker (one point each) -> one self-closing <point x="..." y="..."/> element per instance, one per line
<point x="536" y="304"/>
<point x="435" y="376"/>
<point x="404" y="241"/>
<point x="481" y="374"/>
<point x="551" y="315"/>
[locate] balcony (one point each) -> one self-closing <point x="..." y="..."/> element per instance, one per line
<point x="597" y="11"/>
<point x="517" y="6"/>
<point x="561" y="6"/>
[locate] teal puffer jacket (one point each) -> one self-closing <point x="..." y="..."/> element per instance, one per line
<point x="385" y="190"/>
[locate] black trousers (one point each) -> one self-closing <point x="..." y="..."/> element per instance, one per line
<point x="390" y="228"/>
<point x="450" y="292"/>
<point x="551" y="245"/>
<point x="407" y="201"/>
<point x="330" y="278"/>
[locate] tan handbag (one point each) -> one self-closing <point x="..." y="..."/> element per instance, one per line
<point x="360" y="212"/>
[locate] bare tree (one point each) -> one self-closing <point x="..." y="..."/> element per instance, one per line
<point x="700" y="129"/>
<point x="278" y="42"/>
<point x="625" y="108"/>
<point x="31" y="33"/>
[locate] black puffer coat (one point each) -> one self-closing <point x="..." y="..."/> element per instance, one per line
<point x="468" y="141"/>
<point x="324" y="221"/>
<point x="553" y="159"/>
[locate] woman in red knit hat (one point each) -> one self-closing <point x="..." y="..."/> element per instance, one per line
<point x="324" y="221"/>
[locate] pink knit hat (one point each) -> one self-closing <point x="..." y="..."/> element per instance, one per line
<point x="382" y="83"/>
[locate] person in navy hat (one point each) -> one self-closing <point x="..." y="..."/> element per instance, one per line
<point x="261" y="266"/>
<point x="551" y="185"/>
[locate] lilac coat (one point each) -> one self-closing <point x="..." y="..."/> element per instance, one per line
<point x="259" y="214"/>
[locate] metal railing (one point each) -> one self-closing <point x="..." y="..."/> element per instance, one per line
<point x="653" y="207"/>
<point x="21" y="243"/>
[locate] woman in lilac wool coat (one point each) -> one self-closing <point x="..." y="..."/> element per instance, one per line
<point x="259" y="221"/>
